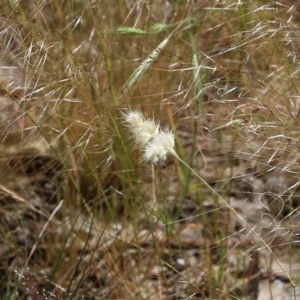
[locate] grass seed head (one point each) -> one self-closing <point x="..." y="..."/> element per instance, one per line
<point x="142" y="130"/>
<point x="156" y="143"/>
<point x="158" y="148"/>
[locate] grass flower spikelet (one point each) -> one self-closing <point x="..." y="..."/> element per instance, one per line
<point x="156" y="143"/>
<point x="157" y="149"/>
<point x="142" y="129"/>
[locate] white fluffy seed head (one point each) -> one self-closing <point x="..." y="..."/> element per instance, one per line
<point x="156" y="144"/>
<point x="157" y="149"/>
<point x="141" y="129"/>
<point x="133" y="118"/>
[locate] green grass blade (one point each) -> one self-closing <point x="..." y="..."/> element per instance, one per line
<point x="138" y="73"/>
<point x="155" y="28"/>
<point x="130" y="30"/>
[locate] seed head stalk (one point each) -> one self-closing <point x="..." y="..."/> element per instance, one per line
<point x="235" y="212"/>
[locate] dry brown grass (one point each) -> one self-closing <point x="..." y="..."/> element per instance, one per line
<point x="81" y="218"/>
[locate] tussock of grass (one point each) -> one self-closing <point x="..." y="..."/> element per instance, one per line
<point x="81" y="217"/>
